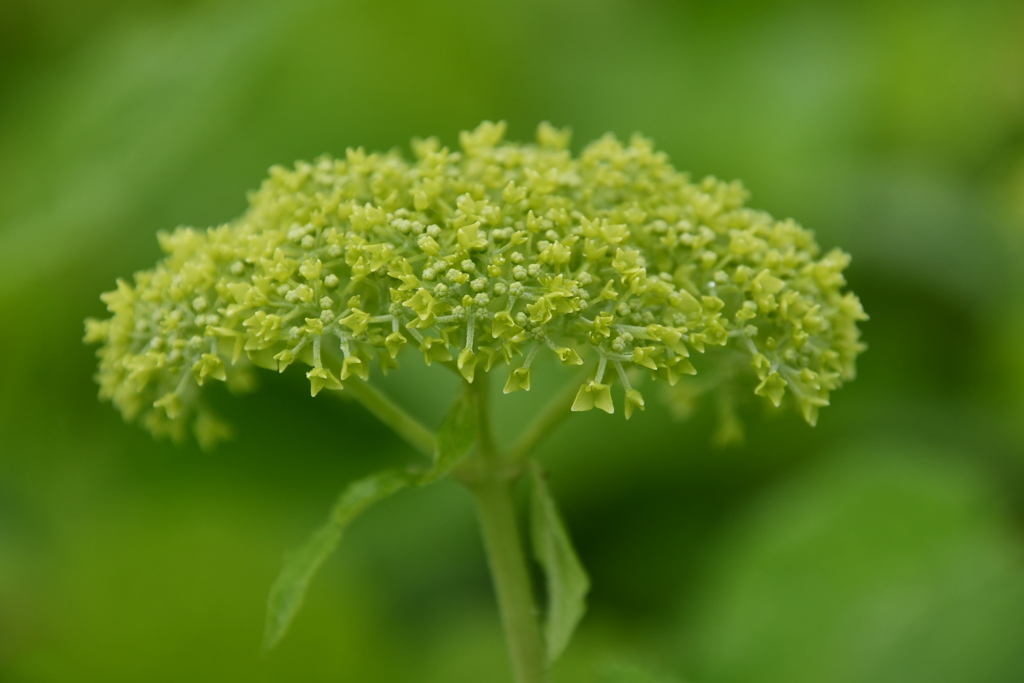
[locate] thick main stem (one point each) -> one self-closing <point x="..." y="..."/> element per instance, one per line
<point x="504" y="546"/>
<point x="491" y="478"/>
<point x="511" y="577"/>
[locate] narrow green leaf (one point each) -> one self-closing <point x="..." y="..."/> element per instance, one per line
<point x="299" y="567"/>
<point x="567" y="581"/>
<point x="455" y="436"/>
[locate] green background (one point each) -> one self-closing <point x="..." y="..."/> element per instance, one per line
<point x="883" y="545"/>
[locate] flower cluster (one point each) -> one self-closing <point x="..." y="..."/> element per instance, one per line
<point x="492" y="254"/>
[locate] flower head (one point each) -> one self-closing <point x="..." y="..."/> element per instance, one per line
<point x="495" y="252"/>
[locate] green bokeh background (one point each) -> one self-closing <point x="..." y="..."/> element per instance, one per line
<point x="883" y="545"/>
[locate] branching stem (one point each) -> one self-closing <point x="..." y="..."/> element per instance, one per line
<point x="546" y="421"/>
<point x="491" y="477"/>
<point x="393" y="415"/>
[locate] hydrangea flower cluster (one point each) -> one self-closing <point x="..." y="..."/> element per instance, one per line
<point x="493" y="254"/>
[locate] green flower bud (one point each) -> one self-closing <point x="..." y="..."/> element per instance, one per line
<point x="434" y="349"/>
<point x="568" y="356"/>
<point x="594" y="394"/>
<point x="772" y="387"/>
<point x="518" y="379"/>
<point x="322" y="378"/>
<point x="633" y="401"/>
<point x="394" y="342"/>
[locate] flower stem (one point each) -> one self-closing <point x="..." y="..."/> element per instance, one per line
<point x="492" y="481"/>
<point x="505" y="557"/>
<point x="503" y="544"/>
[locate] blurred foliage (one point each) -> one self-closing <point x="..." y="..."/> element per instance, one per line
<point x="884" y="544"/>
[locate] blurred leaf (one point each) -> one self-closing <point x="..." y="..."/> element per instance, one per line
<point x="289" y="589"/>
<point x="455" y="436"/>
<point x="884" y="567"/>
<point x="622" y="672"/>
<point x="567" y="581"/>
<point x="132" y="113"/>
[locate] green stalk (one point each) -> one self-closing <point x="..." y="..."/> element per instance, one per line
<point x="519" y="615"/>
<point x="491" y="482"/>
<point x="503" y="544"/>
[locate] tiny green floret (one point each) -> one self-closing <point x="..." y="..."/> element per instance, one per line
<point x="493" y="254"/>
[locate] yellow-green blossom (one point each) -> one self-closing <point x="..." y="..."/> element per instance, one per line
<point x="492" y="252"/>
